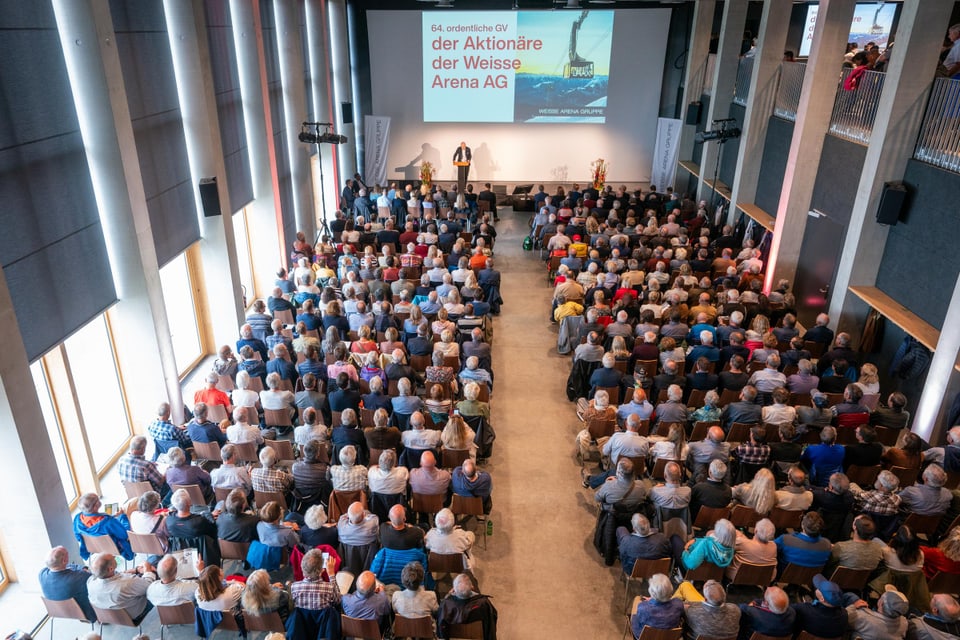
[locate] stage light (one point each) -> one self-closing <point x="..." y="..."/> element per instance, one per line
<point x="310" y="134"/>
<point x="719" y="134"/>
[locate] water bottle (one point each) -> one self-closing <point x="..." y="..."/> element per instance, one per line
<point x="489" y="527"/>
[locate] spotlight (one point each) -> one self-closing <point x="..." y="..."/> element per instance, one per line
<point x="309" y="136"/>
<point x="719" y="134"/>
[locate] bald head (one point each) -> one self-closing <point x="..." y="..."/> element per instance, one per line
<point x="776" y="599"/>
<point x="355" y="513"/>
<point x="398" y="516"/>
<point x="428" y="460"/>
<point x="366" y="583"/>
<point x="57" y="559"/>
<point x="715" y="434"/>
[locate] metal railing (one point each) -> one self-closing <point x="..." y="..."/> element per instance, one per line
<point x="939" y="140"/>
<point x="742" y="89"/>
<point x="788" y="93"/>
<point x="855" y="109"/>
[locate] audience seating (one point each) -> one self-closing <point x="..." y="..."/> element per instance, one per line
<point x="754" y="575"/>
<point x="172" y="616"/>
<point x="193" y="491"/>
<point x="706" y="571"/>
<point x="119" y="617"/>
<point x="851" y="579"/>
<point x="643" y="568"/>
<point x="469" y="631"/>
<point x="264" y="622"/>
<point x="65" y="610"/>
<point x="413" y="628"/>
<point x="794" y="574"/>
<point x="145" y="543"/>
<point x="137" y="489"/>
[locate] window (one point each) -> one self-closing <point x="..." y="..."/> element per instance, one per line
<point x="93" y="369"/>
<point x="181" y="314"/>
<point x="54" y="430"/>
<point x="244" y="263"/>
<point x="4" y="581"/>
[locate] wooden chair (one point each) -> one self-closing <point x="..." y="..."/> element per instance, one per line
<point x="923" y="525"/>
<point x="953" y="480"/>
<point x="366" y="417"/>
<point x="137" y="489"/>
<point x="851" y="579"/>
<point x="613" y="393"/>
<point x="470" y="507"/>
<point x="833" y="398"/>
<point x="651" y="633"/>
<point x="754" y="575"/>
<point x="426" y="503"/>
<point x="270" y="622"/>
<point x="180" y="614"/>
<point x="277" y="418"/>
<point x="643" y="428"/>
<point x="863" y="476"/>
<point x="145" y="543"/>
<point x="785" y="519"/>
<point x="283" y="449"/>
<point x="420" y="363"/>
<point x="643" y="569"/>
<point x="697" y="398"/>
<point x="470" y="631"/>
<point x="263" y="497"/>
<point x="206" y="451"/>
<point x="760" y="636"/>
<point x="816" y="349"/>
<point x="256" y="384"/>
<point x="216" y="413"/>
<point x="452" y="458"/>
<point x="657" y="472"/>
<point x="649" y="367"/>
<point x="67" y="610"/>
<point x="414" y="628"/>
<point x="743" y="517"/>
<point x="246" y="452"/>
<point x="796" y="575"/>
<point x="119" y="617"/>
<point x="739" y="432"/>
<point x="706" y="516"/>
<point x="706" y="571"/>
<point x="943" y="582"/>
<point x="601" y="428"/>
<point x="285" y="316"/>
<point x="340" y="501"/>
<point x="800" y="400"/>
<point x="806" y="635"/>
<point x="225" y="383"/>
<point x="887" y="436"/>
<point x="193" y="491"/>
<point x="728" y="396"/>
<point x="700" y="429"/>
<point x="446" y="563"/>
<point x="906" y="476"/>
<point x="100" y="544"/>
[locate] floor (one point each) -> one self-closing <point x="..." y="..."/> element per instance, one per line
<point x="540" y="566"/>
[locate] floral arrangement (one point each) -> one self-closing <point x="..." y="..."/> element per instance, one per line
<point x="599" y="168"/>
<point x="426" y="173"/>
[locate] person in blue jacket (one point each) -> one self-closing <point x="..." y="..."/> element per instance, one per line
<point x="93" y="523"/>
<point x="716" y="546"/>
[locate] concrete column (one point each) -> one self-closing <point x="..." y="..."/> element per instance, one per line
<point x="724" y="80"/>
<point x="340" y="72"/>
<point x="262" y="214"/>
<point x="698" y="52"/>
<point x="318" y="41"/>
<point x="935" y="400"/>
<point x="764" y="82"/>
<point x="813" y="119"/>
<point x="38" y="516"/>
<point x="899" y="116"/>
<point x="287" y="16"/>
<point x="139" y="322"/>
<point x="191" y="63"/>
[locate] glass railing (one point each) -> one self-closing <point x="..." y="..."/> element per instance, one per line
<point x="742" y="88"/>
<point x="788" y="93"/>
<point x="939" y="140"/>
<point x="855" y="109"/>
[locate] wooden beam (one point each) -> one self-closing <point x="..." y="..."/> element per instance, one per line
<point x="690" y="167"/>
<point x="762" y="217"/>
<point x="925" y="333"/>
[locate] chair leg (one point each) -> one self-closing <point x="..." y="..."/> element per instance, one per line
<point x="626" y="627"/>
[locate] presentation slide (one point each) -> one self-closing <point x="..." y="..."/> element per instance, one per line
<point x="872" y="22"/>
<point x="516" y="66"/>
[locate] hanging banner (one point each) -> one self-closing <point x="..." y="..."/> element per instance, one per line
<point x="376" y="136"/>
<point x="666" y="153"/>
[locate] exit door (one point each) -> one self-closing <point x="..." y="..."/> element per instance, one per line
<point x="817" y="266"/>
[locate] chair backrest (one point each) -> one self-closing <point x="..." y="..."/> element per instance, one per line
<point x="283" y="315"/>
<point x="206" y="451"/>
<point x="700" y="429"/>
<point x="420" y="363"/>
<point x="658" y="468"/>
<point x="760" y="575"/>
<point x="760" y="636"/>
<point x="136" y="489"/>
<point x="179" y="614"/>
<point x="283" y="448"/>
<point x="649" y="367"/>
<point x="453" y="458"/>
<point x="906" y="476"/>
<point x="256" y="384"/>
<point x="145" y="543"/>
<point x="357" y="628"/>
<point x="643" y="568"/>
<point x="118" y="617"/>
<point x="470" y="631"/>
<point x="193" y="490"/>
<point x="851" y="579"/>
<point x="652" y="633"/>
<point x="216" y="413"/>
<point x="466" y="505"/>
<point x="601" y="427"/>
<point x="706" y="516"/>
<point x="795" y="574"/>
<point x="265" y="622"/>
<point x="834" y="398"/>
<point x="225" y="383"/>
<point x="445" y="562"/>
<point x="706" y="571"/>
<point x="886" y="436"/>
<point x="277" y="418"/>
<point x="233" y="550"/>
<point x="816" y="349"/>
<point x="743" y="517"/>
<point x="739" y="432"/>
<point x="703" y="637"/>
<point x="728" y="396"/>
<point x="613" y="393"/>
<point x="426" y="503"/>
<point x="366" y="417"/>
<point x="785" y="519"/>
<point x="806" y="635"/>
<point x="697" y="398"/>
<point x="416" y="628"/>
<point x="943" y="582"/>
<point x="862" y="475"/>
<point x="340" y="501"/>
<point x="263" y="497"/>
<point x="100" y="544"/>
<point x="921" y="524"/>
<point x="246" y="452"/>
<point x="68" y="609"/>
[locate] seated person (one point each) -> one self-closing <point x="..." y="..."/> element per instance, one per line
<point x="806" y="548"/>
<point x="316" y="530"/>
<point x="714" y="616"/>
<point x="261" y="598"/>
<point x="824" y="458"/>
<point x="759" y="550"/>
<point x="167" y="590"/>
<point x="771" y="616"/>
<point x="108" y="589"/>
<point x="825" y="617"/>
<point x="414" y="601"/>
<point x="318" y="590"/>
<point x="643" y="542"/>
<point x="660" y="610"/>
<point x="93" y="523"/>
<point x="368" y="601"/>
<point x="60" y="580"/>
<point x="717" y="547"/>
<point x="236" y="523"/>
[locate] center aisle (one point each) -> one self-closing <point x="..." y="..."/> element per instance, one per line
<point x="545" y="577"/>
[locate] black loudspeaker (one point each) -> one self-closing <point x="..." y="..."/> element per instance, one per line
<point x="346" y="112"/>
<point x="891" y="202"/>
<point x="210" y="197"/>
<point x="693" y="112"/>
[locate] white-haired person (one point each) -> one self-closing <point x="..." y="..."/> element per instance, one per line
<point x="717" y="547"/>
<point x="167" y="590"/>
<point x="758" y="550"/>
<point x="930" y="498"/>
<point x="473" y="373"/>
<point x="471" y="405"/>
<point x="316" y="530"/>
<point x="770" y="615"/>
<point x="267" y="477"/>
<point x="406" y="402"/>
<point x="418" y="436"/>
<point x="597" y="409"/>
<point x="108" y="589"/>
<point x="709" y="614"/>
<point x="660" y="610"/>
<point x="447" y="538"/>
<point x="386" y="477"/>
<point x="276" y="398"/>
<point x="463" y="601"/>
<point x="348" y="475"/>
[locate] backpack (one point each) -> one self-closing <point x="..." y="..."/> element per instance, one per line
<point x="527" y="243"/>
